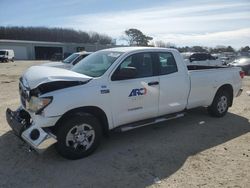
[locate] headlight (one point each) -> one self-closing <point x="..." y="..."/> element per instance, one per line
<point x="36" y="104"/>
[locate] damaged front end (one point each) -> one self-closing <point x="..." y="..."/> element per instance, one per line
<point x="28" y="122"/>
<point x="22" y="125"/>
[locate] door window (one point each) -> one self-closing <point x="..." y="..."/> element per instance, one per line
<point x="167" y="63"/>
<point x="143" y="62"/>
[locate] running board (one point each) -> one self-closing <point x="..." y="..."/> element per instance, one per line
<point x="143" y="123"/>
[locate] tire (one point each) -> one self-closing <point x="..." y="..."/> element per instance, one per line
<point x="12" y="59"/>
<point x="78" y="136"/>
<point x="220" y="104"/>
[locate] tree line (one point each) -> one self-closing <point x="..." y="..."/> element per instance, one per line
<point x="135" y="37"/>
<point x="53" y="35"/>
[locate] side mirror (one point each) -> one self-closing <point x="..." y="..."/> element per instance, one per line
<point x="125" y="73"/>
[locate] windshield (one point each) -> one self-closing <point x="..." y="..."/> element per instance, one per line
<point x="69" y="59"/>
<point x="97" y="63"/>
<point x="2" y="52"/>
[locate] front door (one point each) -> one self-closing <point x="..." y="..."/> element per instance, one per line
<point x="137" y="98"/>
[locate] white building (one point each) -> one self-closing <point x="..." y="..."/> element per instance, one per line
<point x="30" y="50"/>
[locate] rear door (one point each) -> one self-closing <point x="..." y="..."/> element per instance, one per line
<point x="174" y="84"/>
<point x="136" y="99"/>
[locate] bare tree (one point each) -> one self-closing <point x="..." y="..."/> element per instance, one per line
<point x="52" y="34"/>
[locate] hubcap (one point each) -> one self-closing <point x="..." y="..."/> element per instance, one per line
<point x="222" y="104"/>
<point x="80" y="137"/>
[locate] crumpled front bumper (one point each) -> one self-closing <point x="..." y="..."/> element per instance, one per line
<point x="36" y="137"/>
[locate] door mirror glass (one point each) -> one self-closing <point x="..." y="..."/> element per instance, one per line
<point x="126" y="73"/>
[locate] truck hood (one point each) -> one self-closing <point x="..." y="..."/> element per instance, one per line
<point x="37" y="75"/>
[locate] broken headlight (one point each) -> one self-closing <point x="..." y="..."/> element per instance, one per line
<point x="37" y="104"/>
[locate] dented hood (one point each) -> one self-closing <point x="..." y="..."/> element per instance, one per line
<point x="37" y="75"/>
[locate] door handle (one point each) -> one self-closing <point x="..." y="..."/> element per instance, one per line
<point x="153" y="83"/>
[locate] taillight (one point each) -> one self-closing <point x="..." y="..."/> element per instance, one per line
<point x="242" y="74"/>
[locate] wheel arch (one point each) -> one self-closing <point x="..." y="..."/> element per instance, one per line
<point x="229" y="89"/>
<point x="93" y="110"/>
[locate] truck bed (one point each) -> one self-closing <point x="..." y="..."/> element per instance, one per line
<point x="206" y="80"/>
<point x="202" y="67"/>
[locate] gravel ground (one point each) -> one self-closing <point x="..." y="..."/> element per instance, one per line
<point x="194" y="151"/>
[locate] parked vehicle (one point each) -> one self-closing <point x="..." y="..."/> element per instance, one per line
<point x="244" y="63"/>
<point x="204" y="59"/>
<point x="225" y="57"/>
<point x="6" y="55"/>
<point x="69" y="62"/>
<point x="225" y="60"/>
<point x="117" y="88"/>
<point x="57" y="57"/>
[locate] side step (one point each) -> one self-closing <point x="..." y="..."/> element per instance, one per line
<point x="143" y="123"/>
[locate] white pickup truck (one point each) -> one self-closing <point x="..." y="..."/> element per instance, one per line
<point x="118" y="88"/>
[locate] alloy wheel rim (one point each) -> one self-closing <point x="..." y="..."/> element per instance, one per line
<point x="222" y="104"/>
<point x="80" y="137"/>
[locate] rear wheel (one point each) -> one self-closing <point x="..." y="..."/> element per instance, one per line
<point x="220" y="104"/>
<point x="78" y="137"/>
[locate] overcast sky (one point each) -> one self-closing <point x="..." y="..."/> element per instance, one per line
<point x="189" y="22"/>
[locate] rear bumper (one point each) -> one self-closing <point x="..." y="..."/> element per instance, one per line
<point x="34" y="136"/>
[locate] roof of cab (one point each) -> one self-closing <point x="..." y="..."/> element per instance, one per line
<point x="130" y="49"/>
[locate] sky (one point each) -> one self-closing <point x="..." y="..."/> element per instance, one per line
<point x="182" y="22"/>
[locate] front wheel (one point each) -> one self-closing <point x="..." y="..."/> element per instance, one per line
<point x="220" y="104"/>
<point x="78" y="137"/>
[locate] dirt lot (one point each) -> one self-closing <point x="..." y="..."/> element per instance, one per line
<point x="194" y="151"/>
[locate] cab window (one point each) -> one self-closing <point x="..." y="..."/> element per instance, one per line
<point x="142" y="62"/>
<point x="167" y="63"/>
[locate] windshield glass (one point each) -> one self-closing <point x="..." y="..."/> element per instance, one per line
<point x="2" y="52"/>
<point x="97" y="63"/>
<point x="69" y="59"/>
